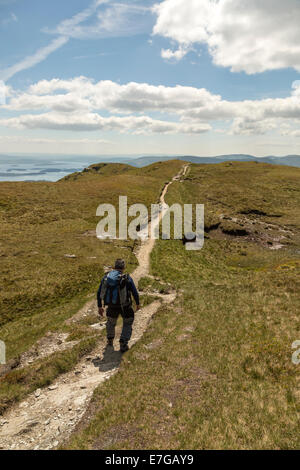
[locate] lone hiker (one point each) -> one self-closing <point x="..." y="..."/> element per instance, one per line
<point x="115" y="291"/>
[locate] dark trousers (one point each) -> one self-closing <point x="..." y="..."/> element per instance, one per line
<point x="113" y="312"/>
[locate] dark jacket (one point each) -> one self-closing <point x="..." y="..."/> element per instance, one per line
<point x="130" y="286"/>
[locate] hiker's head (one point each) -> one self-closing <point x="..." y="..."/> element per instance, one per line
<point x="120" y="264"/>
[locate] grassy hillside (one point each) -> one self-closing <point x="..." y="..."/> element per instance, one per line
<point x="214" y="370"/>
<point x="41" y="223"/>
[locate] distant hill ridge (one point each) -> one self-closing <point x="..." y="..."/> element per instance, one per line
<point x="115" y="166"/>
<point x="289" y="160"/>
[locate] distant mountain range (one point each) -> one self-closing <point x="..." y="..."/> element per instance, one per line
<point x="137" y="161"/>
<point x="43" y="167"/>
<point x="290" y="160"/>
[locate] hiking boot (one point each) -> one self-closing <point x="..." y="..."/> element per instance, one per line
<point x="123" y="347"/>
<point x="110" y="342"/>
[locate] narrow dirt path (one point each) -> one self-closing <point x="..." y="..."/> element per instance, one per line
<point x="47" y="417"/>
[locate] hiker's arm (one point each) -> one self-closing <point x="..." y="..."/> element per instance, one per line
<point x="99" y="301"/>
<point x="134" y="292"/>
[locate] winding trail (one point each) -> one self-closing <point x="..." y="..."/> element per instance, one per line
<point x="48" y="416"/>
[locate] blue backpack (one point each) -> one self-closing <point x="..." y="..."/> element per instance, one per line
<point x="114" y="289"/>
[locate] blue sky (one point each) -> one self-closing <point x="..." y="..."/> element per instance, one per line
<point x="202" y="77"/>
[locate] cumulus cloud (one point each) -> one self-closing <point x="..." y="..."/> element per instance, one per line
<point x="248" y="126"/>
<point x="61" y="103"/>
<point x="250" y="36"/>
<point x="77" y="105"/>
<point x="108" y="95"/>
<point x="94" y="122"/>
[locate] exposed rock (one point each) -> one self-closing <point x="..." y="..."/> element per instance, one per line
<point x="52" y="387"/>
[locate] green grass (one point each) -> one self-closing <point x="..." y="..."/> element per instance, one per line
<point x="42" y="222"/>
<point x="214" y="370"/>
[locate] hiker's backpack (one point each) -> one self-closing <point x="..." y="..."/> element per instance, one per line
<point x="114" y="289"/>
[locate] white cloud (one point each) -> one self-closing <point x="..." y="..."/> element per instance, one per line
<point x="248" y="126"/>
<point x="94" y="122"/>
<point x="75" y="105"/>
<point x="44" y="87"/>
<point x="3" y="93"/>
<point x="61" y="103"/>
<point x="177" y="55"/>
<point x="107" y="95"/>
<point x="185" y="22"/>
<point x="250" y="36"/>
